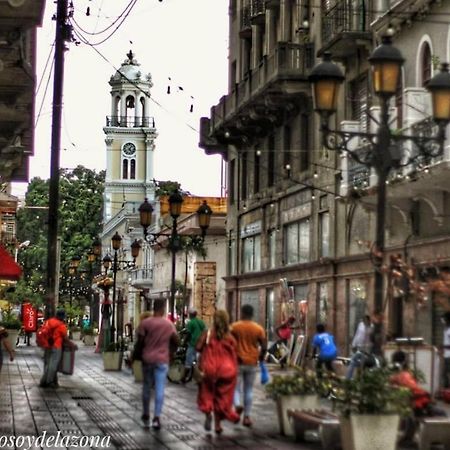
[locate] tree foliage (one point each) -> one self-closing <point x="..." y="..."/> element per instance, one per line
<point x="79" y="222"/>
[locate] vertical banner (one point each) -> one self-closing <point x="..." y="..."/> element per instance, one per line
<point x="29" y="317"/>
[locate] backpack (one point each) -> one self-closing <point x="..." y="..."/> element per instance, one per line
<point x="44" y="336"/>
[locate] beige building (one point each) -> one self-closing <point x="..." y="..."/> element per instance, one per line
<point x="303" y="214"/>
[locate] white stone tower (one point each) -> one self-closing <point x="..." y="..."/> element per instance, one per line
<point x="130" y="141"/>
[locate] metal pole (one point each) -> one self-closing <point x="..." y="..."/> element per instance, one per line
<point x="382" y="165"/>
<point x="174" y="243"/>
<point x="113" y="326"/>
<point x="60" y="37"/>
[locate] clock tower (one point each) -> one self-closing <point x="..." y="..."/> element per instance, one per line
<point x="130" y="141"/>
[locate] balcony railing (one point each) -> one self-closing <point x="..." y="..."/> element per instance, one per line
<point x="130" y="122"/>
<point x="289" y="61"/>
<point x="246" y="24"/>
<point x="142" y="275"/>
<point x="258" y="11"/>
<point x="343" y="17"/>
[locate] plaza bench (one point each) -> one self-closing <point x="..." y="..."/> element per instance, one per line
<point x="324" y="422"/>
<point x="434" y="430"/>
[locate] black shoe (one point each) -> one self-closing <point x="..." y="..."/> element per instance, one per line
<point x="156" y="425"/>
<point x="145" y="420"/>
<point x="208" y="422"/>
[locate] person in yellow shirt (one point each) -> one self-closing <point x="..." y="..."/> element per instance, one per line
<point x="251" y="348"/>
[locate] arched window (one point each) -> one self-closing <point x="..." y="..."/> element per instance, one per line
<point x="125" y="169"/>
<point x="132" y="169"/>
<point x="425" y="63"/>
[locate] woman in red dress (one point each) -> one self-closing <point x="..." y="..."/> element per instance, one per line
<point x="218" y="362"/>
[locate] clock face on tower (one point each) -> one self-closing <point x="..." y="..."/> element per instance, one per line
<point x="129" y="149"/>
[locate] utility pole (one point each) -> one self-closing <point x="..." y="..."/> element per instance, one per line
<point x="62" y="34"/>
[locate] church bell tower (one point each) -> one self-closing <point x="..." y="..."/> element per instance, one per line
<point x="130" y="141"/>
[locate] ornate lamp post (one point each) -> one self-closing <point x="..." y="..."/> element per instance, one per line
<point x="204" y="213"/>
<point x="116" y="241"/>
<point x="384" y="152"/>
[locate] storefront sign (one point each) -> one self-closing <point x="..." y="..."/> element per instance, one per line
<point x="29" y="317"/>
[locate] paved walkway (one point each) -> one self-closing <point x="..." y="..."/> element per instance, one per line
<point x="93" y="402"/>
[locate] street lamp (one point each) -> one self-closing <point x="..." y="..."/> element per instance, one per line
<point x="204" y="213"/>
<point x="116" y="241"/>
<point x="384" y="151"/>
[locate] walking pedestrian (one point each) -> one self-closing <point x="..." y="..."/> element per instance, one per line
<point x="57" y="337"/>
<point x="361" y="345"/>
<point x="325" y="348"/>
<point x="159" y="334"/>
<point x="251" y="348"/>
<point x="218" y="363"/>
<point x="446" y="349"/>
<point x="194" y="329"/>
<point x="4" y="342"/>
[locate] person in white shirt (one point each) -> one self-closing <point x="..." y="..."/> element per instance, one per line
<point x="361" y="345"/>
<point x="446" y="349"/>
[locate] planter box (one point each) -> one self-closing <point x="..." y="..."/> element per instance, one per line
<point x="75" y="335"/>
<point x="374" y="431"/>
<point x="112" y="360"/>
<point x="12" y="336"/>
<point x="89" y="339"/>
<point x="299" y="402"/>
<point x="137" y="371"/>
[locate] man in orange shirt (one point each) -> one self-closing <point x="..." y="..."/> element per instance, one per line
<point x="251" y="348"/>
<point x="52" y="355"/>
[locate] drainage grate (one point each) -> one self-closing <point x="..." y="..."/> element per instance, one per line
<point x="82" y="397"/>
<point x="175" y="427"/>
<point x="186" y="437"/>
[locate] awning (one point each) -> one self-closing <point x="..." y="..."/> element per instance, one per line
<point x="9" y="269"/>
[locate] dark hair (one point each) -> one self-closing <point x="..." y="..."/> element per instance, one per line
<point x="400" y="357"/>
<point x="159" y="304"/>
<point x="247" y="311"/>
<point x="320" y="327"/>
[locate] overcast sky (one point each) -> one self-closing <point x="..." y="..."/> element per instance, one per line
<point x="184" y="40"/>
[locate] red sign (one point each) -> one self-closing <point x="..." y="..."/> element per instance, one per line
<point x="29" y="317"/>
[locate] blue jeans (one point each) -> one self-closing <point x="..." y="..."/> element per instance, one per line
<point x="154" y="373"/>
<point x="191" y="357"/>
<point x="246" y="377"/>
<point x="52" y="357"/>
<point x="357" y="360"/>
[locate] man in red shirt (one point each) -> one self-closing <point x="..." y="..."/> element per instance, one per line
<point x="52" y="355"/>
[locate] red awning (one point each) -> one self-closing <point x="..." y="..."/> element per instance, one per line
<point x="9" y="269"/>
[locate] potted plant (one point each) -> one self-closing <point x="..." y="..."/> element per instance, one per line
<point x="294" y="391"/>
<point x="13" y="325"/>
<point x="75" y="333"/>
<point x="113" y="356"/>
<point x="89" y="336"/>
<point x="370" y="408"/>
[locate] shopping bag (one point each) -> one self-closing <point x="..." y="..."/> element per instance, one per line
<point x="67" y="361"/>
<point x="264" y="372"/>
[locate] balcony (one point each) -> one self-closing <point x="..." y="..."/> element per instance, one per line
<point x="346" y="28"/>
<point x="258" y="12"/>
<point x="245" y="31"/>
<point x="142" y="278"/>
<point x="264" y="95"/>
<point x="130" y="122"/>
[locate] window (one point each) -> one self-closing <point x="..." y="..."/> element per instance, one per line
<point x="359" y="100"/>
<point x="357" y="305"/>
<point x="244" y="176"/>
<point x="426" y="64"/>
<point x="324" y="234"/>
<point x="256" y="172"/>
<point x="287" y="147"/>
<point x="271" y="161"/>
<point x="251" y="253"/>
<point x="125" y="169"/>
<point x="270" y="314"/>
<point x="304" y="142"/>
<point x="322" y="303"/>
<point x="272" y="246"/>
<point x="252" y="298"/>
<point x="231" y="254"/>
<point x="297" y="242"/>
<point x="231" y="178"/>
<point x="133" y="169"/>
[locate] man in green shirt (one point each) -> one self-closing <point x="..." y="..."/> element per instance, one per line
<point x="194" y="329"/>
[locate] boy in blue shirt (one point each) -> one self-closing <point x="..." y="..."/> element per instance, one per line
<point x="323" y="343"/>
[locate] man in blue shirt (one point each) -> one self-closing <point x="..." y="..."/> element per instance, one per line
<point x="323" y="343"/>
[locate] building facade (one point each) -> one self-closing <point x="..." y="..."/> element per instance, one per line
<point x="301" y="218"/>
<point x="19" y="20"/>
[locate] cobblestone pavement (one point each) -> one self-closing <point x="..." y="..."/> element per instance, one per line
<point x="93" y="402"/>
